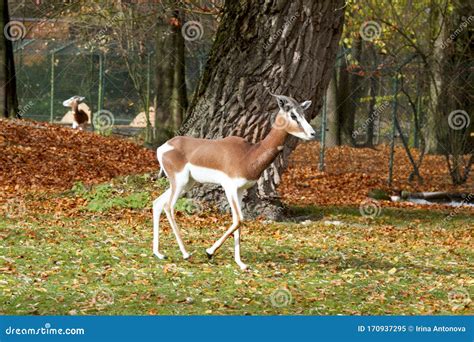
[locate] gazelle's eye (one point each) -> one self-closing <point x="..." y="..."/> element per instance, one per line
<point x="293" y="116"/>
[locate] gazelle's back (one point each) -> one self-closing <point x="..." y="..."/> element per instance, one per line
<point x="221" y="154"/>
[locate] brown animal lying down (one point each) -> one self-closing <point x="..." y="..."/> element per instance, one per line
<point x="80" y="116"/>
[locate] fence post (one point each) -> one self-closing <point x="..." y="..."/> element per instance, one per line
<point x="416" y="138"/>
<point x="394" y="118"/>
<point x="323" y="136"/>
<point x="147" y="109"/>
<point x="101" y="83"/>
<point x="51" y="110"/>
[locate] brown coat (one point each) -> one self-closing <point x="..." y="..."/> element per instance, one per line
<point x="230" y="155"/>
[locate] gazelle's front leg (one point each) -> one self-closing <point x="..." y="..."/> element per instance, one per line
<point x="237" y="232"/>
<point x="169" y="211"/>
<point x="180" y="182"/>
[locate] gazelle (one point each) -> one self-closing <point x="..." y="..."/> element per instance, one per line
<point x="80" y="117"/>
<point x="232" y="162"/>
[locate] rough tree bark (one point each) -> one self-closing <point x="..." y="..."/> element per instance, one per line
<point x="286" y="47"/>
<point x="8" y="95"/>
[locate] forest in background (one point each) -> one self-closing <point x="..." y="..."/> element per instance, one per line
<point x="130" y="57"/>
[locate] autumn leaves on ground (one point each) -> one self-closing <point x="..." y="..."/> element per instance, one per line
<point x="76" y="234"/>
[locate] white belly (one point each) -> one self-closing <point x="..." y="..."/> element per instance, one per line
<point x="206" y="175"/>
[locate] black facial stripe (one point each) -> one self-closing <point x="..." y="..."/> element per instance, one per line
<point x="295" y="117"/>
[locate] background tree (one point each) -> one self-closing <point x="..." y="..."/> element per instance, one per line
<point x="8" y="97"/>
<point x="286" y="47"/>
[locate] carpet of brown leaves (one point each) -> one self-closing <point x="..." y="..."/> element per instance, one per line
<point x="351" y="172"/>
<point x="40" y="156"/>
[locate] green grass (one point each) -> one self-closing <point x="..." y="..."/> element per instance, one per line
<point x="401" y="262"/>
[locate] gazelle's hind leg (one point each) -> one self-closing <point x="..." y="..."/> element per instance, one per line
<point x="233" y="198"/>
<point x="180" y="183"/>
<point x="158" y="206"/>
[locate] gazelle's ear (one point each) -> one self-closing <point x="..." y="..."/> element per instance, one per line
<point x="283" y="103"/>
<point x="305" y="105"/>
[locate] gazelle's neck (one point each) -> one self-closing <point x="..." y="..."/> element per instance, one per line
<point x="75" y="107"/>
<point x="267" y="150"/>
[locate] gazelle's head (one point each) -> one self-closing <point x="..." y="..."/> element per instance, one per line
<point x="73" y="100"/>
<point x="291" y="118"/>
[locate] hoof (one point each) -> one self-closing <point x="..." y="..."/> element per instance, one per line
<point x="186" y="256"/>
<point x="244" y="267"/>
<point x="209" y="255"/>
<point x="161" y="256"/>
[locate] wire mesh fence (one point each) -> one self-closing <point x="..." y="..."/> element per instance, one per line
<point x="49" y="72"/>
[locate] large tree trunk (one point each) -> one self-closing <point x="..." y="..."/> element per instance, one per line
<point x="8" y="96"/>
<point x="286" y="47"/>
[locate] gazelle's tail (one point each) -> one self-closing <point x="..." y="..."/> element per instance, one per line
<point x="160" y="174"/>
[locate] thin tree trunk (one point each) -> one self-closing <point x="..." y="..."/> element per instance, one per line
<point x="333" y="133"/>
<point x="8" y="94"/>
<point x="179" y="99"/>
<point x="369" y="142"/>
<point x="435" y="131"/>
<point x="349" y="93"/>
<point x="286" y="47"/>
<point x="171" y="94"/>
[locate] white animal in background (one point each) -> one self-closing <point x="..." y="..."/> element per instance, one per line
<point x="232" y="162"/>
<point x="80" y="116"/>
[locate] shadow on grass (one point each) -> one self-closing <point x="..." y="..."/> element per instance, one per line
<point x="316" y="213"/>
<point x="344" y="263"/>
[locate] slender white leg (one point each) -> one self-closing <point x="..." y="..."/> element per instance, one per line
<point x="237" y="250"/>
<point x="158" y="205"/>
<point x="233" y="202"/>
<point x="237" y="233"/>
<point x="169" y="210"/>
